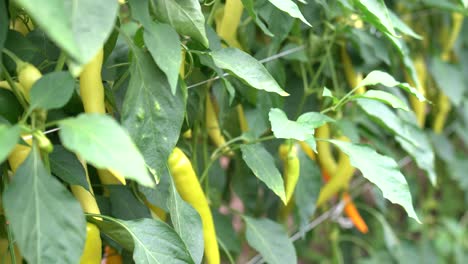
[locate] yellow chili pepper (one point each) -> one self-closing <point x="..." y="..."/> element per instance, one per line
<point x="340" y="180"/>
<point x="325" y="156"/>
<point x="244" y="126"/>
<point x="92" y="95"/>
<point x="155" y="211"/>
<point x="307" y="150"/>
<point x="291" y="168"/>
<point x="227" y="28"/>
<point x="212" y="124"/>
<point x="352" y="77"/>
<point x="92" y="249"/>
<point x="188" y="186"/>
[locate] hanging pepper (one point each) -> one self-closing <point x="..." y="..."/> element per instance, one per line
<point x="291" y="168"/>
<point x="188" y="186"/>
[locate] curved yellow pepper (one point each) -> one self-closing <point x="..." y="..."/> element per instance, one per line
<point x="291" y="168"/>
<point x="92" y="95"/>
<point x="188" y="186"/>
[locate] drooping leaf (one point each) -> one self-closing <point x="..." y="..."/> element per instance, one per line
<point x="401" y="26"/>
<point x="184" y="15"/>
<point x="384" y="97"/>
<point x="187" y="224"/>
<point x="78" y="27"/>
<point x="376" y="13"/>
<point x="9" y="135"/>
<point x="67" y="167"/>
<point x="246" y="68"/>
<point x="307" y="189"/>
<point x="35" y="220"/>
<point x="450" y="80"/>
<point x="156" y="242"/>
<point x="291" y="8"/>
<point x="52" y="91"/>
<point x="382" y="171"/>
<point x="411" y="138"/>
<point x="151" y="240"/>
<point x="166" y="51"/>
<point x="263" y="166"/>
<point x="270" y="240"/>
<point x="101" y="141"/>
<point x="124" y="205"/>
<point x="383" y="78"/>
<point x="151" y="113"/>
<point x="301" y="130"/>
<point x="249" y="6"/>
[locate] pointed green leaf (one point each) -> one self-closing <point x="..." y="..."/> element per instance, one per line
<point x="376" y="13"/>
<point x="383" y="78"/>
<point x="39" y="208"/>
<point x="382" y="171"/>
<point x="187" y="223"/>
<point x="302" y="129"/>
<point x="263" y="166"/>
<point x="151" y="113"/>
<point x="246" y="68"/>
<point x="67" y="167"/>
<point x="291" y="8"/>
<point x="411" y="138"/>
<point x="384" y="97"/>
<point x="52" y="91"/>
<point x="166" y="51"/>
<point x="156" y="242"/>
<point x="78" y="27"/>
<point x="8" y="138"/>
<point x="249" y="6"/>
<point x="101" y="141"/>
<point x="185" y="16"/>
<point x="271" y="240"/>
<point x="449" y="78"/>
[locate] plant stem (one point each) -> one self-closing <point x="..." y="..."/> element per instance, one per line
<point x="14" y="88"/>
<point x="61" y="61"/>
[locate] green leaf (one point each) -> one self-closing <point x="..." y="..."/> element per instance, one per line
<point x="291" y="8"/>
<point x="263" y="166"/>
<point x="270" y="240"/>
<point x="165" y="51"/>
<point x="384" y="97"/>
<point x="9" y="136"/>
<point x="67" y="167"/>
<point x="151" y="113"/>
<point x="246" y="68"/>
<point x="302" y="129"/>
<point x="376" y="13"/>
<point x="450" y="80"/>
<point x="382" y="171"/>
<point x="187" y="224"/>
<point x="250" y="7"/>
<point x="124" y="204"/>
<point x="101" y="141"/>
<point x="156" y="242"/>
<point x="52" y="91"/>
<point x="184" y="15"/>
<point x="411" y="138"/>
<point x="401" y="26"/>
<point x="151" y="240"/>
<point x="307" y="189"/>
<point x="383" y="78"/>
<point x="78" y="27"/>
<point x="46" y="209"/>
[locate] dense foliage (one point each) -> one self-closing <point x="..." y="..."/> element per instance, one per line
<point x="233" y="131"/>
